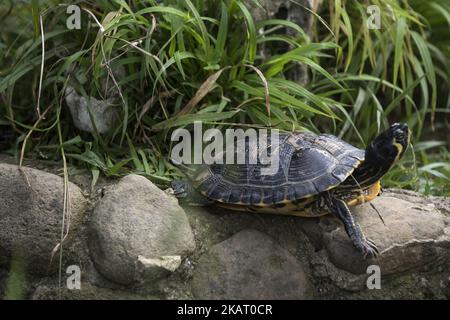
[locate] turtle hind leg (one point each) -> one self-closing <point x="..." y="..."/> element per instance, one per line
<point x="340" y="209"/>
<point x="185" y="192"/>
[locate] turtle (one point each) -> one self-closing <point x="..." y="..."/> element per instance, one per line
<point x="317" y="174"/>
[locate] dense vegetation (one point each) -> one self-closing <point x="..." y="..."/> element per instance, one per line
<point x="187" y="60"/>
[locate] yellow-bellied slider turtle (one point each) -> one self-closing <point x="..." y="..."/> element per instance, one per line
<point x="317" y="174"/>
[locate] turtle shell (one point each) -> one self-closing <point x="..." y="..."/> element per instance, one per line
<point x="308" y="165"/>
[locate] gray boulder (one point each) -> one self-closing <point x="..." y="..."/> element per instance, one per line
<point x="31" y="210"/>
<point x="249" y="265"/>
<point x="103" y="112"/>
<point x="415" y="236"/>
<point x="138" y="233"/>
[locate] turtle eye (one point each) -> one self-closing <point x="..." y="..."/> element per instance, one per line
<point x="399" y="135"/>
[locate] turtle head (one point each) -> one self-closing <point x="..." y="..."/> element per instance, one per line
<point x="390" y="145"/>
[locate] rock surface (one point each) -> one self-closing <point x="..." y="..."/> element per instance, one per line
<point x="31" y="209"/>
<point x="87" y="292"/>
<point x="138" y="233"/>
<point x="415" y="236"/>
<point x="249" y="265"/>
<point x="103" y="111"/>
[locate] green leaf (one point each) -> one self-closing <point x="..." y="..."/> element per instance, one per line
<point x="400" y="31"/>
<point x="251" y="32"/>
<point x="191" y="118"/>
<point x="429" y="68"/>
<point x="223" y="31"/>
<point x="134" y="156"/>
<point x="35" y="14"/>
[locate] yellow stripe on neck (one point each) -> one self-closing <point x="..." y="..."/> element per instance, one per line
<point x="399" y="147"/>
<point x="370" y="194"/>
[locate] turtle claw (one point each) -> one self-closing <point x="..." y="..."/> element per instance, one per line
<point x="179" y="189"/>
<point x="368" y="249"/>
<point x="366" y="246"/>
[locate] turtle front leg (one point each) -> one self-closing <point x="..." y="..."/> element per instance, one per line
<point x="340" y="209"/>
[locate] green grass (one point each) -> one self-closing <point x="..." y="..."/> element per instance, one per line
<point x="201" y="60"/>
<point x="17" y="278"/>
<point x="398" y="73"/>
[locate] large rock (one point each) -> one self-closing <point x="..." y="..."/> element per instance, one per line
<point x="31" y="211"/>
<point x="249" y="265"/>
<point x="103" y="112"/>
<point x="138" y="233"/>
<point x="85" y="110"/>
<point x="415" y="236"/>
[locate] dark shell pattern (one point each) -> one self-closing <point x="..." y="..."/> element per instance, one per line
<point x="309" y="164"/>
